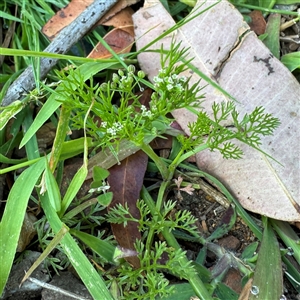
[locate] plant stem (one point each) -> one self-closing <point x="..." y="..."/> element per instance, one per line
<point x="157" y="160"/>
<point x="193" y="278"/>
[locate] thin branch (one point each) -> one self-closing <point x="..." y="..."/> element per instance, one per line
<point x="55" y="289"/>
<point x="60" y="45"/>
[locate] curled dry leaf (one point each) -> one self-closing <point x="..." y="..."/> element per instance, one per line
<point x="224" y="48"/>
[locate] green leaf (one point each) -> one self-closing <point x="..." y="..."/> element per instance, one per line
<point x="99" y="174"/>
<point x="73" y="189"/>
<point x="105" y="199"/>
<point x="103" y="248"/>
<point x="8" y="112"/>
<point x="52" y="189"/>
<point x="222" y="291"/>
<point x="249" y="251"/>
<point x="273" y="31"/>
<point x="267" y="280"/>
<point x="288" y="236"/>
<point x="226" y="223"/>
<point x="182" y="291"/>
<point x="291" y="61"/>
<point x="7" y="16"/>
<point x="12" y="220"/>
<point x="91" y="279"/>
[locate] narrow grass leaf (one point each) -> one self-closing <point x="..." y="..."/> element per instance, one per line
<point x="52" y="189"/>
<point x="8" y="112"/>
<point x="12" y="220"/>
<point x="103" y="248"/>
<point x="222" y="291"/>
<point x="61" y="132"/>
<point x="182" y="291"/>
<point x="73" y="189"/>
<point x="47" y="251"/>
<point x="31" y="147"/>
<point x="91" y="279"/>
<point x="289" y="237"/>
<point x="7" y="16"/>
<point x="74" y="147"/>
<point x="267" y="280"/>
<point x="273" y="31"/>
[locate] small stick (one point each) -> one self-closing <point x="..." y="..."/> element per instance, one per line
<point x="55" y="288"/>
<point x="60" y="45"/>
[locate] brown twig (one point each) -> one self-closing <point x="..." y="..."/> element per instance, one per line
<point x="60" y="45"/>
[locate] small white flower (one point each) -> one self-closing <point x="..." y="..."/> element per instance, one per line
<point x="169" y="87"/>
<point x="104" y="124"/>
<point x="179" y="87"/>
<point x="157" y="79"/>
<point x="170" y="80"/>
<point x="154" y="107"/>
<point x="111" y="131"/>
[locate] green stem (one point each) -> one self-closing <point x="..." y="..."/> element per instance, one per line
<point x="193" y="278"/>
<point x="192" y="152"/>
<point x="157" y="160"/>
<point x="283" y="12"/>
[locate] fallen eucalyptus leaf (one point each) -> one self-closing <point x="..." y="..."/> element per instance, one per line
<point x="225" y="50"/>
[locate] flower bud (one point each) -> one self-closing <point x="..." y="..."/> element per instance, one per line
<point x="131" y="68"/>
<point x="141" y="74"/>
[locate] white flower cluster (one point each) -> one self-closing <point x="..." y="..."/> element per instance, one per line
<point x="117" y="126"/>
<point x="146" y="112"/>
<point x="172" y="83"/>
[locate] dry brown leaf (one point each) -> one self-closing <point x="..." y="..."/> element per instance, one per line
<point x="226" y="50"/>
<point x="120" y="39"/>
<point x="69" y="13"/>
<point x="126" y="181"/>
<point x="122" y="20"/>
<point x="258" y="23"/>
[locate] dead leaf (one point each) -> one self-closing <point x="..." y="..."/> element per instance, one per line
<point x="119" y="41"/>
<point x="69" y="13"/>
<point x="122" y="20"/>
<point x="226" y="50"/>
<point x="126" y="181"/>
<point x="258" y="23"/>
<point x="246" y="290"/>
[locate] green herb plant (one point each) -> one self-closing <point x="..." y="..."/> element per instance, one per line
<point x="108" y="124"/>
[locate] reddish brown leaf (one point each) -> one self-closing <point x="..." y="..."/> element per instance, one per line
<point x="258" y="23"/>
<point x="69" y="13"/>
<point x="125" y="182"/>
<point x="119" y="40"/>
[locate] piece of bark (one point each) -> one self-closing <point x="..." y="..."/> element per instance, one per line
<point x="60" y="45"/>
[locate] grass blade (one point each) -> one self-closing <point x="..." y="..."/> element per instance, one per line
<point x="267" y="281"/>
<point x="12" y="220"/>
<point x="91" y="279"/>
